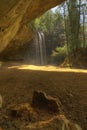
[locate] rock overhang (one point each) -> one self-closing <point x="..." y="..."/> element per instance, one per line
<point x="15" y="17"/>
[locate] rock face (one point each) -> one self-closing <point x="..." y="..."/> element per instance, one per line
<point x="15" y="18"/>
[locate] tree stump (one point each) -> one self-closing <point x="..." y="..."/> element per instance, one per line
<point x="42" y="101"/>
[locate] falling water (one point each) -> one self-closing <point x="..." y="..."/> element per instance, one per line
<point x="40" y="49"/>
<point x="44" y="47"/>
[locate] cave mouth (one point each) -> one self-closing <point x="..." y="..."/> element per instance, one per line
<point x="15" y="19"/>
<point x="40" y="49"/>
<point x="19" y="79"/>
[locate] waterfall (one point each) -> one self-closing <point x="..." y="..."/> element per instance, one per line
<point x="40" y="49"/>
<point x="44" y="48"/>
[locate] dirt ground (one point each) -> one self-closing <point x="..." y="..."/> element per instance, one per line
<point x="69" y="86"/>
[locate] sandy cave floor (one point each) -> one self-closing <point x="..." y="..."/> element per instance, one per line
<point x="18" y="81"/>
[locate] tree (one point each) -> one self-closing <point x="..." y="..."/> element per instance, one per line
<point x="45" y="23"/>
<point x="74" y="25"/>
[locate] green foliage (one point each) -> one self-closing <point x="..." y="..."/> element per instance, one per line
<point x="59" y="54"/>
<point x="52" y="25"/>
<point x="48" y="22"/>
<point x="45" y="23"/>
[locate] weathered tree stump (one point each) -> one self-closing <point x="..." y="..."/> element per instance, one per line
<point x="42" y="101"/>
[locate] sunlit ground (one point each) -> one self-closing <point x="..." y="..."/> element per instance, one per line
<point x="46" y="68"/>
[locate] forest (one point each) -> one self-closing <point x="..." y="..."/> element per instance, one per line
<point x="65" y="30"/>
